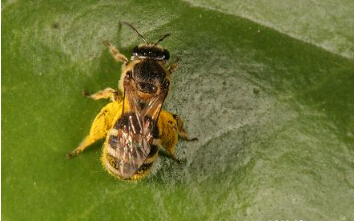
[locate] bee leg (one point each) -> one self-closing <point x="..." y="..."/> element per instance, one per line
<point x="115" y="53"/>
<point x="99" y="128"/>
<point x="171" y="153"/>
<point x="107" y="93"/>
<point x="173" y="67"/>
<point x="181" y="130"/>
<point x="83" y="145"/>
<point x="175" y="158"/>
<point x="169" y="134"/>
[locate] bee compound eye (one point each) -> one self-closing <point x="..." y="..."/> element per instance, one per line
<point x="135" y="51"/>
<point x="166" y="54"/>
<point x="129" y="74"/>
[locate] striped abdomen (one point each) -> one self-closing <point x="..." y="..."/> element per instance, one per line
<point x="129" y="151"/>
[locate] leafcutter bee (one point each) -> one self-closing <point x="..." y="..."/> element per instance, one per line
<point x="134" y="123"/>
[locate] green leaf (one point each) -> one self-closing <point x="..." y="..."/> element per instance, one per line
<point x="271" y="101"/>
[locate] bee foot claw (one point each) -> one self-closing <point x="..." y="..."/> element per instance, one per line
<point x="70" y="155"/>
<point x="85" y="93"/>
<point x="192" y="139"/>
<point x="107" y="43"/>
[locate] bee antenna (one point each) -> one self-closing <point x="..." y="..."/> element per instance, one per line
<point x="163" y="37"/>
<point x="132" y="27"/>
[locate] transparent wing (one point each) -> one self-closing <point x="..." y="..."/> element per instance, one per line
<point x="135" y="129"/>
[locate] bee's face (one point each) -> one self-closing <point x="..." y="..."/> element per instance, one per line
<point x="151" y="51"/>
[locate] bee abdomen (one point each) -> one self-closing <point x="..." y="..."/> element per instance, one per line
<point x="113" y="164"/>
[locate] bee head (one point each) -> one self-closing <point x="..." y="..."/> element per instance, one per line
<point x="151" y="51"/>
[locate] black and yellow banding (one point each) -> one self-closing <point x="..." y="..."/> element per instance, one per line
<point x="166" y="136"/>
<point x="113" y="155"/>
<point x="111" y="163"/>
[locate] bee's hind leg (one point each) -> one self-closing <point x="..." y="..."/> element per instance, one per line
<point x="83" y="145"/>
<point x="99" y="128"/>
<point x="181" y="130"/>
<point x="170" y="126"/>
<point x="174" y="157"/>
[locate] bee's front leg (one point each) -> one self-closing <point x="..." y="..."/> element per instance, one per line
<point x="173" y="67"/>
<point x="115" y="53"/>
<point x="107" y="93"/>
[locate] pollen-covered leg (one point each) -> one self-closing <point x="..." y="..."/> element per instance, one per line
<point x="168" y="133"/>
<point x="115" y="53"/>
<point x="170" y="126"/>
<point x="100" y="126"/>
<point x="182" y="131"/>
<point x="83" y="145"/>
<point x="107" y="93"/>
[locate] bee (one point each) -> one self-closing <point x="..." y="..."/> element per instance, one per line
<point x="134" y="123"/>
